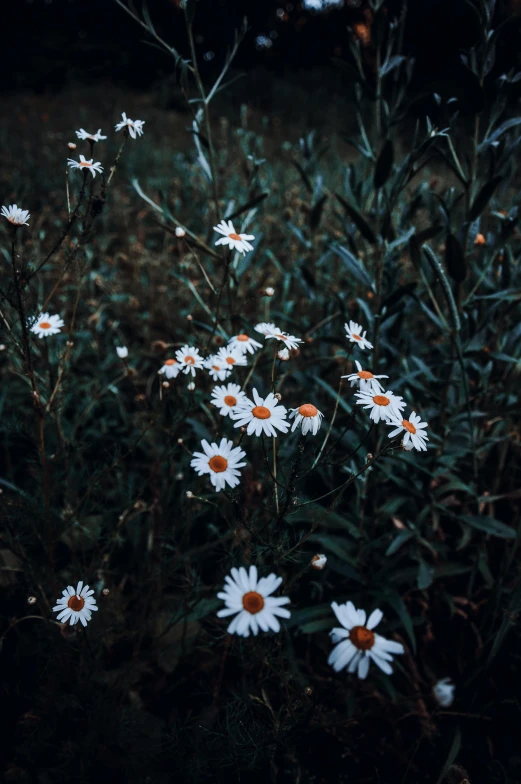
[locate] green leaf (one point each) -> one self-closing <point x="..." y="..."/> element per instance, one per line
<point x="396" y="602"/>
<point x="401" y="539"/>
<point x="353" y="265"/>
<point x="483" y="197"/>
<point x="252" y="203"/>
<point x="425" y="575"/>
<point x="384" y="164"/>
<point x="455" y="259"/>
<point x="359" y="221"/>
<point x="490" y="526"/>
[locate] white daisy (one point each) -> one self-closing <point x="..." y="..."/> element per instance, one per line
<point x="290" y="341"/>
<point x="16" y="215"/>
<point x="244" y="343"/>
<point x="383" y="405"/>
<point x="221" y="461"/>
<point x="444" y="692"/>
<point x="122" y="352"/>
<point x="76" y="605"/>
<point x="134" y="126"/>
<point x="94" y="137"/>
<point x="413" y="429"/>
<point x="85" y="164"/>
<point x="261" y="415"/>
<point x="355" y="335"/>
<point x="266" y="326"/>
<point x="366" y="381"/>
<point x="218" y="370"/>
<point x="308" y="417"/>
<point x="171" y="368"/>
<point x="189" y="358"/>
<point x="232" y="239"/>
<point x="231" y="357"/>
<point x="358" y="644"/>
<point x="46" y="325"/>
<point x="248" y="598"/>
<point x="227" y="398"/>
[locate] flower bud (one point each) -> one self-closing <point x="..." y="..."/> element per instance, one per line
<point x="71" y="146"/>
<point x="189" y="494"/>
<point x="122" y="352"/>
<point x="444" y="692"/>
<point x="283" y="354"/>
<point x="269" y="291"/>
<point x="179" y="232"/>
<point x="31" y="600"/>
<point x="318" y="561"/>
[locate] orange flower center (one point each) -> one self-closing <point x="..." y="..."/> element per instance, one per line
<point x="242" y="337"/>
<point x="218" y="464"/>
<point x="234" y="236"/>
<point x="170" y="362"/>
<point x="85" y="163"/>
<point x="381" y="400"/>
<point x="308" y="410"/>
<point x="76" y="603"/>
<point x="230" y="360"/>
<point x="364" y="374"/>
<point x="362" y="638"/>
<point x="252" y="602"/>
<point x="215" y="367"/>
<point x="261" y="412"/>
<point x="356" y="337"/>
<point x="281" y="337"/>
<point x="230" y="400"/>
<point x="44" y="325"/>
<point x="190" y="360"/>
<point x="408" y="426"/>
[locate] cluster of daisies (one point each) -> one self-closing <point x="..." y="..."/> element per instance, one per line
<point x="132" y="128"/>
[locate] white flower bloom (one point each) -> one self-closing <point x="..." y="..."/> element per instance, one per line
<point x="227" y="398"/>
<point x="122" y="352"/>
<point x="355" y="335"/>
<point x="76" y="605"/>
<point x="319" y="561"/>
<point x="171" y="368"/>
<point x="249" y="599"/>
<point x="134" y="126"/>
<point x="16" y="215"/>
<point x="444" y="692"/>
<point x="264" y="327"/>
<point x="261" y="415"/>
<point x="413" y="429"/>
<point x="383" y="405"/>
<point x="94" y="137"/>
<point x="85" y="164"/>
<point x="308" y="417"/>
<point x="231" y="357"/>
<point x="290" y="341"/>
<point x="244" y="343"/>
<point x="218" y="370"/>
<point x="283" y="354"/>
<point x="189" y="358"/>
<point x="221" y="461"/>
<point x="358" y="644"/>
<point x="46" y="325"/>
<point x="179" y="232"/>
<point x="191" y="386"/>
<point x="232" y="239"/>
<point x="269" y="291"/>
<point x="366" y="381"/>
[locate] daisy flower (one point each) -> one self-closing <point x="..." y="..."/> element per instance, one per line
<point x="76" y="605"/>
<point x="46" y="325"/>
<point x="189" y="358"/>
<point x="444" y="692"/>
<point x="244" y="343"/>
<point x="413" y="429"/>
<point x="383" y="405"/>
<point x="365" y="379"/>
<point x="94" y="137"/>
<point x="227" y="398"/>
<point x="232" y="239"/>
<point x="218" y="370"/>
<point x="358" y="643"/>
<point x="122" y="352"/>
<point x="84" y="164"/>
<point x="308" y="417"/>
<point x="355" y="335"/>
<point x="135" y="127"/>
<point x="231" y="357"/>
<point x="249" y="599"/>
<point x="264" y="327"/>
<point x="16" y="215"/>
<point x="221" y="461"/>
<point x="290" y="341"/>
<point x="261" y="415"/>
<point x="171" y="368"/>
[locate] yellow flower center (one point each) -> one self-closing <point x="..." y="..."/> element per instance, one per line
<point x="381" y="400"/>
<point x="362" y="638"/>
<point x="234" y="236"/>
<point x="76" y="603"/>
<point x="408" y="426"/>
<point x="230" y="360"/>
<point x="190" y="360"/>
<point x="218" y="464"/>
<point x="230" y="400"/>
<point x="308" y="410"/>
<point x="261" y="412"/>
<point x="44" y="325"/>
<point x="242" y="337"/>
<point x="252" y="602"/>
<point x="364" y="374"/>
<point x="170" y="362"/>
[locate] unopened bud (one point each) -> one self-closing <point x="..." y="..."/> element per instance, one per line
<point x="179" y="232"/>
<point x="269" y="292"/>
<point x="105" y="592"/>
<point x="2" y="347"/>
<point x="189" y="494"/>
<point x="283" y="354"/>
<point x="278" y="396"/>
<point x="179" y="440"/>
<point x="191" y="386"/>
<point x="189" y="317"/>
<point x="319" y="561"/>
<point x="31" y="600"/>
<point x="179" y="476"/>
<point x="165" y="385"/>
<point x="71" y="146"/>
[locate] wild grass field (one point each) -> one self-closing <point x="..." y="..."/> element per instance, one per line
<point x="390" y="248"/>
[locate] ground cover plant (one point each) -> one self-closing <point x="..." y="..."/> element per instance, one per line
<point x="260" y="437"/>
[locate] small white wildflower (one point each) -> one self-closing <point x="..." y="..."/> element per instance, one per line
<point x="189" y="358"/>
<point x="16" y="215"/>
<point x="250" y="600"/>
<point x="383" y="405"/>
<point x="308" y="417"/>
<point x="232" y="239"/>
<point x="46" y="325"/>
<point x="76" y="605"/>
<point x="443" y="692"/>
<point x="122" y="352"/>
<point x="221" y="461"/>
<point x="85" y="164"/>
<point x="318" y="561"/>
<point x="171" y="368"/>
<point x="355" y="335"/>
<point x="94" y="137"/>
<point x="413" y="429"/>
<point x="135" y="127"/>
<point x="261" y="415"/>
